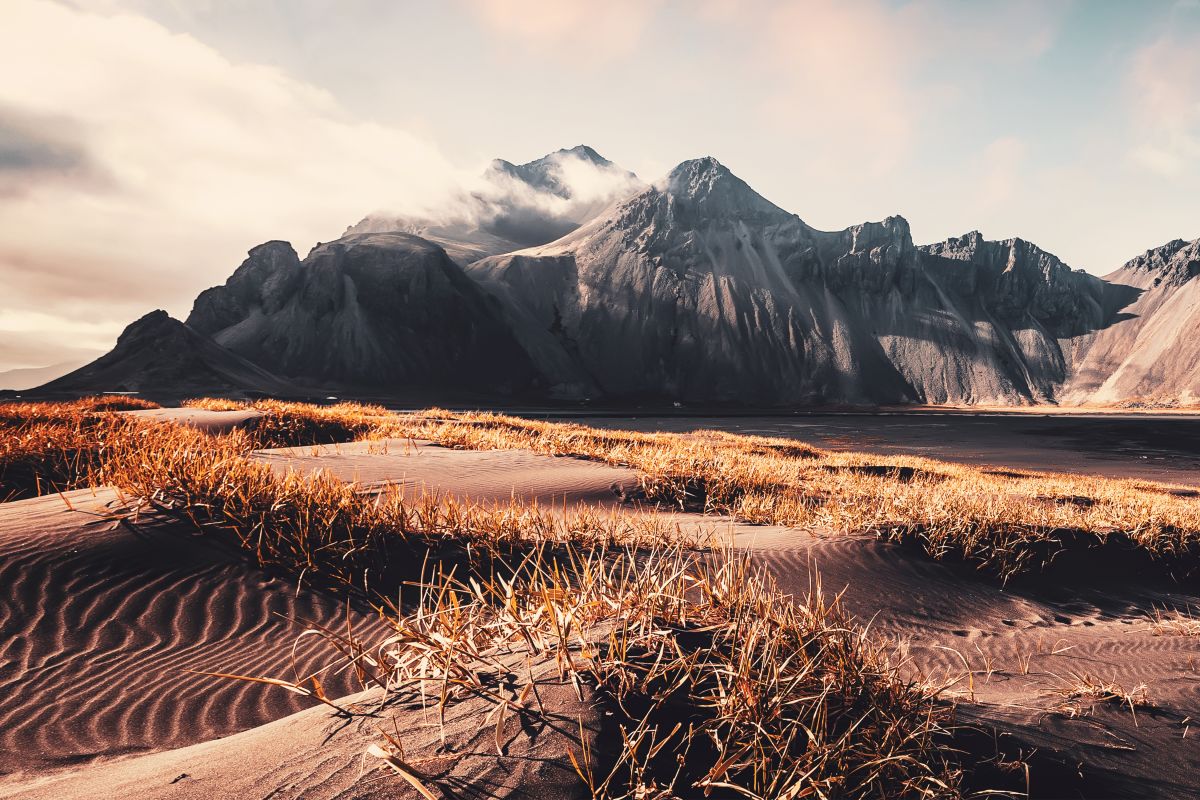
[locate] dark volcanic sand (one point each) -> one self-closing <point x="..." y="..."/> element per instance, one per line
<point x="1160" y="448"/>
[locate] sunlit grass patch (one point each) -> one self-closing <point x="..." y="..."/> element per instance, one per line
<point x="1008" y="525"/>
<point x="215" y="404"/>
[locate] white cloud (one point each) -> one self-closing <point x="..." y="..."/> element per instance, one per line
<point x="1164" y="85"/>
<point x="200" y="159"/>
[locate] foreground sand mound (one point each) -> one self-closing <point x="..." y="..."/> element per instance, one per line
<point x="1027" y="648"/>
<point x="102" y="625"/>
<point x="205" y="420"/>
<point x="319" y="755"/>
<point x="485" y="476"/>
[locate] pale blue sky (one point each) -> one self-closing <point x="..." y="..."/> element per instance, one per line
<point x="154" y="142"/>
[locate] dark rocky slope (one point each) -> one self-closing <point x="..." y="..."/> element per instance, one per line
<point x="161" y="355"/>
<point x="371" y="311"/>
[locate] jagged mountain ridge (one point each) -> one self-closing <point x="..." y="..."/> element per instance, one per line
<point x="700" y="289"/>
<point x="694" y="289"/>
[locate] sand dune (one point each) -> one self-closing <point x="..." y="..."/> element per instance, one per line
<point x="480" y="475"/>
<point x="101" y="626"/>
<point x="211" y="421"/>
<point x="317" y="755"/>
<point x="1025" y="647"/>
<point x="102" y="623"/>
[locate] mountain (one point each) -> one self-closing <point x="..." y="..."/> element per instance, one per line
<point x="516" y="205"/>
<point x="699" y="289"/>
<point x="694" y="289"/>
<point x="1151" y="350"/>
<point x="161" y="355"/>
<point x="368" y="311"/>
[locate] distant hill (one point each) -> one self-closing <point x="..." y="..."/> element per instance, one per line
<point x="28" y="377"/>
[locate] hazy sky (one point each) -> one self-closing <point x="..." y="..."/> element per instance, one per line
<point x="146" y="145"/>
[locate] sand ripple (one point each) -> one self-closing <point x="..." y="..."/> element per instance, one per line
<point x="101" y="630"/>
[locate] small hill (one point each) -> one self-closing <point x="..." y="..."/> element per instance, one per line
<point x="161" y="355"/>
<point x="26" y="377"/>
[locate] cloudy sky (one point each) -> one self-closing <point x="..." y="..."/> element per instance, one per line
<point x="145" y="145"/>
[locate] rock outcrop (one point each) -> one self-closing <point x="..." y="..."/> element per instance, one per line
<point x="160" y="355"/>
<point x="1150" y="349"/>
<point x="384" y="311"/>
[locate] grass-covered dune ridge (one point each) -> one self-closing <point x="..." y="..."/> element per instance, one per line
<point x="718" y="684"/>
<point x="1007" y="522"/>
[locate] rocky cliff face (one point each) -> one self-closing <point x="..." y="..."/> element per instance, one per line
<point x="159" y="354"/>
<point x="389" y="311"/>
<point x="1019" y="284"/>
<point x="699" y="289"/>
<point x="1150" y="348"/>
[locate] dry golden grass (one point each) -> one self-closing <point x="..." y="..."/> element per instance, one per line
<point x="283" y="424"/>
<point x="1177" y="622"/>
<point x="325" y="530"/>
<point x="719" y="684"/>
<point x="1084" y="692"/>
<point x="215" y="404"/>
<point x="1006" y="522"/>
<point x="115" y="402"/>
<point x="54" y="447"/>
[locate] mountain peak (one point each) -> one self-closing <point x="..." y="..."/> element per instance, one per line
<point x="1175" y="262"/>
<point x="714" y="190"/>
<point x="539" y="166"/>
<point x="156" y="322"/>
<point x="547" y="173"/>
<point x="585" y="153"/>
<point x="698" y="175"/>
